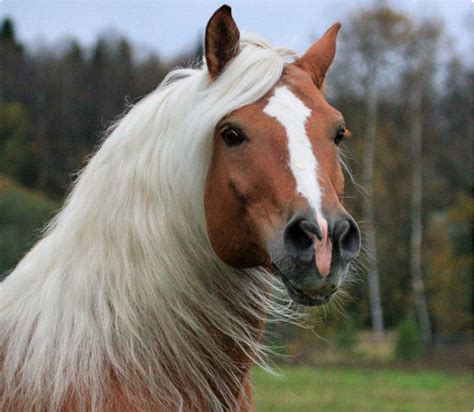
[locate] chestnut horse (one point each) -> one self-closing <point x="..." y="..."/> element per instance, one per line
<point x="149" y="290"/>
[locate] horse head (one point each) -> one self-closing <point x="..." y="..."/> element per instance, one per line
<point x="274" y="189"/>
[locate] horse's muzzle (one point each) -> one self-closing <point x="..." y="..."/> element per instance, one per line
<point x="313" y="261"/>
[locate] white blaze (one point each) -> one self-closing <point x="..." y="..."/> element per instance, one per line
<point x="291" y="112"/>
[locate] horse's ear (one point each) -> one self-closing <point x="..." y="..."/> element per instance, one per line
<point x="222" y="41"/>
<point x="318" y="58"/>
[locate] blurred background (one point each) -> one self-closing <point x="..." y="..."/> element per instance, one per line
<point x="403" y="78"/>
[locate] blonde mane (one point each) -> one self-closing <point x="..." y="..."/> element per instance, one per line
<point x="124" y="288"/>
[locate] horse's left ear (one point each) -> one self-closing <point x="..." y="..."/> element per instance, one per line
<point x="222" y="41"/>
<point x="318" y="58"/>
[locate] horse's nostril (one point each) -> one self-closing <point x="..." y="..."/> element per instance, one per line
<point x="346" y="237"/>
<point x="311" y="228"/>
<point x="297" y="238"/>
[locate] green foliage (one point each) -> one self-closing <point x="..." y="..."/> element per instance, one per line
<point x="14" y="148"/>
<point x="22" y="215"/>
<point x="7" y="31"/>
<point x="449" y="263"/>
<point x="7" y="35"/>
<point x="346" y="335"/>
<point x="409" y="345"/>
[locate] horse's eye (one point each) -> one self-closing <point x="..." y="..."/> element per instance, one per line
<point x="232" y="137"/>
<point x="339" y="135"/>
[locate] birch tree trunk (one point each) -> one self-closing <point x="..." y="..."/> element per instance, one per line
<point x="416" y="214"/>
<point x="376" y="38"/>
<point x="376" y="311"/>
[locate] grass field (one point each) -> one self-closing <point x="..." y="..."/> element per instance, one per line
<point x="331" y="389"/>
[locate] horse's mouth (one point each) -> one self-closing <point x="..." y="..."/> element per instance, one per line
<point x="301" y="297"/>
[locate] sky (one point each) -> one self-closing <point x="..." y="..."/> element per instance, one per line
<point x="172" y="27"/>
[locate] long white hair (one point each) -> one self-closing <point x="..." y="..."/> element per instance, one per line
<point x="124" y="286"/>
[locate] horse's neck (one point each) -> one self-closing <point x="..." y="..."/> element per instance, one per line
<point x="118" y="402"/>
<point x="116" y="398"/>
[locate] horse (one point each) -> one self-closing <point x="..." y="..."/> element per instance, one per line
<point x="150" y="288"/>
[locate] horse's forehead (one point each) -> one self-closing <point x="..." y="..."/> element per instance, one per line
<point x="301" y="95"/>
<point x="295" y="80"/>
<point x="300" y="85"/>
<point x="302" y="89"/>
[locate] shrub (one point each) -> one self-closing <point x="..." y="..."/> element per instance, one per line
<point x="346" y="336"/>
<point x="409" y="345"/>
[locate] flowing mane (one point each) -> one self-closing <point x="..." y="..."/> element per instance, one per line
<point x="124" y="289"/>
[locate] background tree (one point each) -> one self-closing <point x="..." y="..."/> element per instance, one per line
<point x="374" y="38"/>
<point x="420" y="69"/>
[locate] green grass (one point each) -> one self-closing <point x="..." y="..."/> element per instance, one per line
<point x="331" y="389"/>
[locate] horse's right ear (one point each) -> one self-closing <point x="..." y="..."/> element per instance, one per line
<point x="318" y="58"/>
<point x="221" y="42"/>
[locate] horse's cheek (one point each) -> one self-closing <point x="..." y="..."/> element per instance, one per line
<point x="228" y="228"/>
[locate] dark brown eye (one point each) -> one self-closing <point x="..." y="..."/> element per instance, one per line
<point x="339" y="135"/>
<point x="232" y="137"/>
